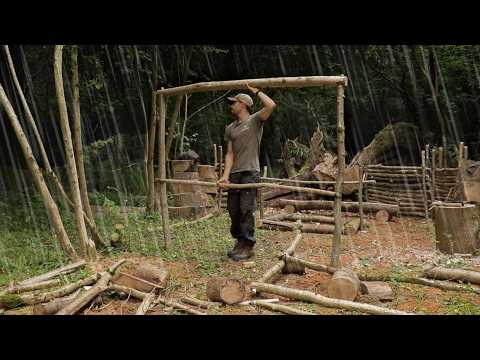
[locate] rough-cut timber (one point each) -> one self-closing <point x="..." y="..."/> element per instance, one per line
<point x="309" y="296"/>
<point x="456" y="229"/>
<point x="368" y="207"/>
<point x="344" y="285"/>
<point x="228" y="291"/>
<point x="280" y="82"/>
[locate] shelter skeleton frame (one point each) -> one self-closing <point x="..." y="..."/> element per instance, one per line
<point x="340" y="82"/>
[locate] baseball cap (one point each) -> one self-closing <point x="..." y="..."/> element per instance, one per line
<point x="243" y="98"/>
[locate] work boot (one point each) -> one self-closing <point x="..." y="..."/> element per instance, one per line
<point x="235" y="249"/>
<point x="245" y="252"/>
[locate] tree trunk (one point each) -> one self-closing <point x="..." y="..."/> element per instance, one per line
<point x="87" y="247"/>
<point x="309" y="296"/>
<point x="344" y="285"/>
<point x="77" y="143"/>
<point x="456" y="229"/>
<point x="229" y="291"/>
<point x="49" y="203"/>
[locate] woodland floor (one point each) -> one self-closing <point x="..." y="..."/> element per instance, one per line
<point x="400" y="246"/>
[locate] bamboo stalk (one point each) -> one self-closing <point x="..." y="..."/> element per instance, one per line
<point x="163" y="186"/>
<point x="280" y="82"/>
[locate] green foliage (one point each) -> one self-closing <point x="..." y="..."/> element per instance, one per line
<point x="459" y="306"/>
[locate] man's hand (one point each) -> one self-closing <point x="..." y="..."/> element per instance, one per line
<point x="254" y="90"/>
<point x="222" y="181"/>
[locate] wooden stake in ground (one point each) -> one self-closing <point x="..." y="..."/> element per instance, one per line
<point x="49" y="203"/>
<point x="228" y="291"/>
<point x="77" y="143"/>
<point x="309" y="296"/>
<point x="163" y="171"/>
<point x="87" y="247"/>
<point x="424" y="186"/>
<point x="337" y="235"/>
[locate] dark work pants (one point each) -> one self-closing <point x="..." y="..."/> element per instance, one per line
<point x="241" y="205"/>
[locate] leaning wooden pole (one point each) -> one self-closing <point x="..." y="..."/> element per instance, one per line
<point x="337" y="235"/>
<point x="87" y="246"/>
<point x="163" y="171"/>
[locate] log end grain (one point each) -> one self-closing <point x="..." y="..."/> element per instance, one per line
<point x="382" y="216"/>
<point x="228" y="291"/>
<point x="344" y="285"/>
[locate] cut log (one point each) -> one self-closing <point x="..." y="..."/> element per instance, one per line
<point x="101" y="285"/>
<point x="134" y="282"/>
<point x="55" y="305"/>
<point x="228" y="291"/>
<point x="308" y="218"/>
<point x="309" y="296"/>
<point x="207" y="172"/>
<point x="347" y="206"/>
<point x="306" y="228"/>
<point x="456" y="229"/>
<point x="179" y="166"/>
<point x="382" y="216"/>
<point x="67" y="269"/>
<point x="344" y="285"/>
<point x="156" y="274"/>
<point x="281" y="308"/>
<point x="293" y="268"/>
<point x="441" y="273"/>
<point x="377" y="289"/>
<point x="145" y="305"/>
<point x="192" y="199"/>
<point x="200" y="303"/>
<point x="351" y="227"/>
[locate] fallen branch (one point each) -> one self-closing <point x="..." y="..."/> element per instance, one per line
<point x="309" y="296"/>
<point x="55" y="305"/>
<point x="281" y="308"/>
<point x="177" y="305"/>
<point x="67" y="269"/>
<point x="100" y="286"/>
<point x="14" y="300"/>
<point x="441" y="273"/>
<point x="17" y="289"/>
<point x="200" y="303"/>
<point x="145" y="305"/>
<point x="277" y="268"/>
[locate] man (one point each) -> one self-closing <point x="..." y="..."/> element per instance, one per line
<point x="242" y="166"/>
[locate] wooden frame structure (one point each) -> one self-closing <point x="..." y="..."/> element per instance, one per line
<point x="340" y="82"/>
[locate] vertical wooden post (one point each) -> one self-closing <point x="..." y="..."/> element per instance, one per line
<point x="150" y="156"/>
<point x="215" y="157"/>
<point x="440" y="158"/>
<point x="337" y="235"/>
<point x="465" y="156"/>
<point x="220" y="173"/>
<point x="365" y="174"/>
<point x="425" y="202"/>
<point x="360" y="199"/>
<point x="163" y="173"/>
<point x="461" y="154"/>
<point x="434" y="171"/>
<point x="260" y="202"/>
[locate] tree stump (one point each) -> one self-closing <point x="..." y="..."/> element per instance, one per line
<point x="456" y="228"/>
<point x="344" y="285"/>
<point x="382" y="216"/>
<point x="229" y="291"/>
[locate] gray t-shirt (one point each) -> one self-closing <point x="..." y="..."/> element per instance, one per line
<point x="245" y="137"/>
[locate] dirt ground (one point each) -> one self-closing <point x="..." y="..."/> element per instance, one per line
<point x="401" y="244"/>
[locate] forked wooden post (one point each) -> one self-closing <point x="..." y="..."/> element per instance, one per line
<point x="163" y="173"/>
<point x="424" y="187"/>
<point x="337" y="235"/>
